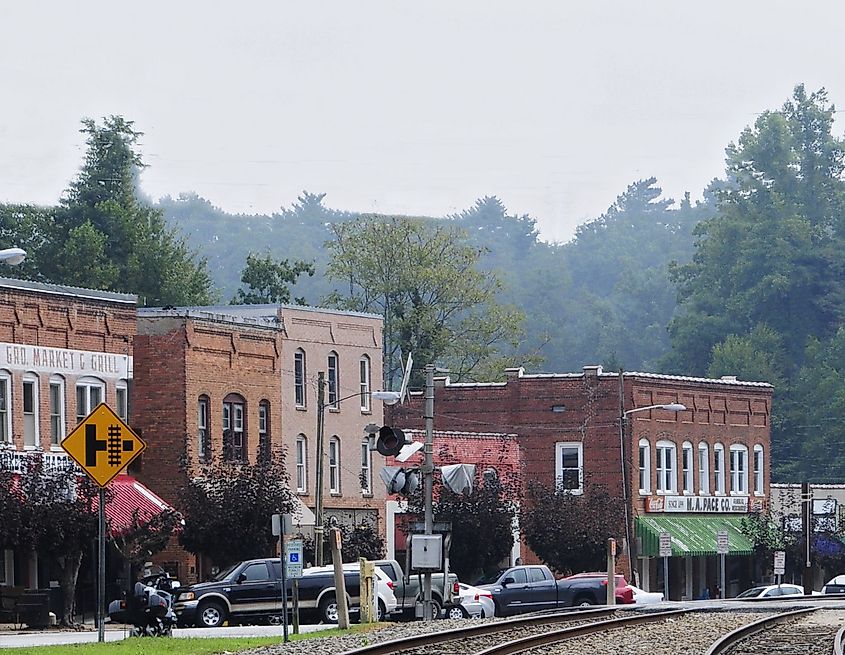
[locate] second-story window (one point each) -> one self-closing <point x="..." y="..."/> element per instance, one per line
<point x="719" y="468"/>
<point x="686" y="465"/>
<point x="334" y="465"/>
<point x="301" y="464"/>
<point x="366" y="468"/>
<point x="703" y="469"/>
<point x="57" y="410"/>
<point x="569" y="467"/>
<point x="758" y="470"/>
<point x="645" y="466"/>
<point x="30" y="410"/>
<point x="5" y="405"/>
<point x="264" y="444"/>
<point x="121" y="396"/>
<point x="364" y="382"/>
<point x="89" y="394"/>
<point x="739" y="470"/>
<point x="203" y="434"/>
<point x="666" y="467"/>
<point x="299" y="378"/>
<point x="333" y="380"/>
<point x="234" y="433"/>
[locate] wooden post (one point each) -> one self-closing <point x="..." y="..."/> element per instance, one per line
<point x="339" y="581"/>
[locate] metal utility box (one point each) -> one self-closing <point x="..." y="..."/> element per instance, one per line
<point x="426" y="552"/>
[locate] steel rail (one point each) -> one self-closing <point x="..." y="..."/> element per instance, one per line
<point x="546" y="639"/>
<point x="729" y="640"/>
<point x="406" y="643"/>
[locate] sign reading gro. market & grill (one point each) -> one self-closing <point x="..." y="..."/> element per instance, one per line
<point x="698" y="504"/>
<point x="16" y="356"/>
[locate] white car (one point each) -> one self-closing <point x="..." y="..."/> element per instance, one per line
<point x="384" y="587"/>
<point x="470" y="602"/>
<point x="642" y="597"/>
<point x="773" y="591"/>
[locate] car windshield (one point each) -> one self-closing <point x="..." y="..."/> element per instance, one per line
<point x="751" y="593"/>
<point x="490" y="578"/>
<point x="225" y="573"/>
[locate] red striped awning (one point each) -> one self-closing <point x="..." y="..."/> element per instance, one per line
<point x="129" y="496"/>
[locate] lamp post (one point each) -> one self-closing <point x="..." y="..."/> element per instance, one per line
<point x="388" y="398"/>
<point x="623" y="418"/>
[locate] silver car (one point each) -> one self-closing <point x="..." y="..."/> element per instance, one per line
<point x="470" y="602"/>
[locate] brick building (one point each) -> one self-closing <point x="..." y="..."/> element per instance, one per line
<point x="235" y="380"/>
<point x="63" y="351"/>
<point x="690" y="473"/>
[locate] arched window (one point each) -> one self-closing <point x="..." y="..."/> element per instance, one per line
<point x="758" y="470"/>
<point x="299" y="378"/>
<point x="645" y="466"/>
<point x="203" y="429"/>
<point x="687" y="464"/>
<point x="89" y="393"/>
<point x="364" y="382"/>
<point x="366" y="468"/>
<point x="301" y="464"/>
<point x="234" y="428"/>
<point x="57" y="410"/>
<point x="30" y="410"/>
<point x="703" y="468"/>
<point x="667" y="467"/>
<point x="719" y="468"/>
<point x="739" y="470"/>
<point x="264" y="439"/>
<point x="333" y="379"/>
<point x="5" y="407"/>
<point x="334" y="465"/>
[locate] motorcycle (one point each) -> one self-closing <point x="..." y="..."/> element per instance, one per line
<point x="149" y="609"/>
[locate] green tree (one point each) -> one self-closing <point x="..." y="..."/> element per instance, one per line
<point x="423" y="277"/>
<point x="576" y="540"/>
<point x="104" y="236"/>
<point x="227" y="509"/>
<point x="269" y="280"/>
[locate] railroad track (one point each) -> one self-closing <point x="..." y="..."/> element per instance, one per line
<point x="513" y="636"/>
<point x="808" y="631"/>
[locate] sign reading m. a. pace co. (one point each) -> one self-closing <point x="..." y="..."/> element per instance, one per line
<point x="698" y="504"/>
<point x="16" y="356"/>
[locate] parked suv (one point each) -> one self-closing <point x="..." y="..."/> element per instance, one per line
<point x="250" y="591"/>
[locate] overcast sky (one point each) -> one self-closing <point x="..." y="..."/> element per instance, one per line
<point x="405" y="107"/>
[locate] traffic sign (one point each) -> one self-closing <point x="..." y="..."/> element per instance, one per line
<point x="293" y="553"/>
<point x="722" y="546"/>
<point x="103" y="445"/>
<point x="780" y="562"/>
<point x="665" y="544"/>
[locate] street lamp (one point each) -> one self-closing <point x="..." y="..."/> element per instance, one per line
<point x="388" y="398"/>
<point x="623" y="418"/>
<point x="12" y="256"/>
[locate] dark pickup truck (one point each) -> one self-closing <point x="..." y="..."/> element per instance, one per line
<point x="521" y="589"/>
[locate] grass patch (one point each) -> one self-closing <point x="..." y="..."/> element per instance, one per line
<point x="179" y="646"/>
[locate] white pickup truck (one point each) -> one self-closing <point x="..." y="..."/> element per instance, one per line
<point x="407" y="592"/>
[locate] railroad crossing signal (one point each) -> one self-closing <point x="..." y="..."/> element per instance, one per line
<point x="103" y="445"/>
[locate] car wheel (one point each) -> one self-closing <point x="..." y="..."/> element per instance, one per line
<point x="211" y="614"/>
<point x="436" y="608"/>
<point x="328" y="610"/>
<point x="382" y="612"/>
<point x="456" y="612"/>
<point x="583" y="601"/>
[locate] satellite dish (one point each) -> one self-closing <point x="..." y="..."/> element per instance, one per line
<point x="406" y="377"/>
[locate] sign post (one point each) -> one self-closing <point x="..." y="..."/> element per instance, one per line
<point x="103" y="445"/>
<point x="665" y="553"/>
<point x="780" y="564"/>
<point x="293" y="557"/>
<point x="722" y="547"/>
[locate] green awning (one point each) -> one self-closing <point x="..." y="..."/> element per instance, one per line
<point x="691" y="535"/>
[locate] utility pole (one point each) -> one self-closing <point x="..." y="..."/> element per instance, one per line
<point x="806" y="513"/>
<point x="318" y="494"/>
<point x="428" y="477"/>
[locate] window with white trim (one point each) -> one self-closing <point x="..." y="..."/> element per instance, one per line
<point x="758" y="470"/>
<point x="301" y="464"/>
<point x="333" y="380"/>
<point x="57" y="410"/>
<point x="687" y="464"/>
<point x="739" y="470"/>
<point x="234" y="433"/>
<point x="203" y="434"/>
<point x="264" y="443"/>
<point x="719" y="468"/>
<point x="299" y="378"/>
<point x="30" y="410"/>
<point x="364" y="382"/>
<point x="645" y="466"/>
<point x="5" y="407"/>
<point x="334" y="465"/>
<point x="569" y="466"/>
<point x="667" y="471"/>
<point x="366" y="468"/>
<point x="703" y="468"/>
<point x="89" y="393"/>
<point x="121" y="396"/>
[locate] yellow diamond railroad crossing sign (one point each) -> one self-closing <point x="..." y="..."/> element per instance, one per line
<point x="103" y="445"/>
